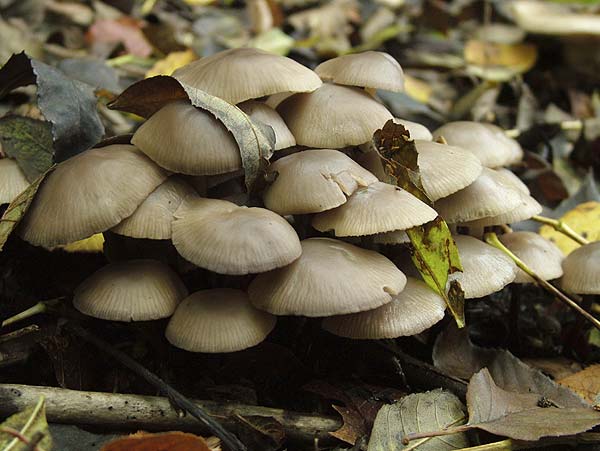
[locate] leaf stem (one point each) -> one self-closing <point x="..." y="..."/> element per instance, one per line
<point x="20" y="437"/>
<point x="446" y="431"/>
<point x="40" y="307"/>
<point x="562" y="227"/>
<point x="492" y="239"/>
<point x="419" y="442"/>
<point x="503" y="445"/>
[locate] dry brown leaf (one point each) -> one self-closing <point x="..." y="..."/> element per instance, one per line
<point x="556" y="367"/>
<point x="586" y="383"/>
<point x="124" y="30"/>
<point x="167" y="441"/>
<point x="171" y="63"/>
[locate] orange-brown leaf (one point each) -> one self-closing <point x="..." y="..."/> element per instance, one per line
<point x="167" y="441"/>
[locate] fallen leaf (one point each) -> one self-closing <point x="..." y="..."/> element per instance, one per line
<point x="419" y="412"/>
<point x="171" y="63"/>
<point x="418" y="89"/>
<point x="584" y="219"/>
<point x="497" y="61"/>
<point x="124" y="30"/>
<point x="556" y="367"/>
<point x="261" y="433"/>
<point x="91" y="71"/>
<point x="273" y="41"/>
<point x="586" y="383"/>
<point x="91" y="245"/>
<point x="166" y="441"/>
<point x="29" y="423"/>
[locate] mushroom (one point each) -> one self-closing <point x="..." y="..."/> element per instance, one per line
<point x="241" y="74"/>
<point x="262" y="112"/>
<point x="377" y="208"/>
<point x="218" y="320"/>
<point x="333" y="116"/>
<point x="135" y="290"/>
<point x="12" y="180"/>
<point x="313" y="181"/>
<point x="391" y="238"/>
<point x="416" y="130"/>
<point x="185" y="139"/>
<point x="89" y="193"/>
<point x="228" y="239"/>
<point x="413" y="310"/>
<point x="154" y="216"/>
<point x="582" y="270"/>
<point x="330" y="278"/>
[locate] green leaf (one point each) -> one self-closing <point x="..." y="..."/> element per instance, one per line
<point x="17" y="209"/>
<point x="29" y="141"/>
<point x="434" y="251"/>
<point x="29" y="423"/>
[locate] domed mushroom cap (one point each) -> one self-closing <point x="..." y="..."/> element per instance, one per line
<point x="445" y="169"/>
<point x="487" y="196"/>
<point x="185" y="139"/>
<point x="333" y="116"/>
<point x="376" y="70"/>
<point x="267" y="115"/>
<point x="89" y="193"/>
<point x="582" y="270"/>
<point x="391" y="238"/>
<point x="135" y="290"/>
<point x="516" y="151"/>
<point x="228" y="239"/>
<point x="416" y="130"/>
<point x="241" y="74"/>
<point x="527" y="208"/>
<point x="330" y="278"/>
<point x="481" y="139"/>
<point x="537" y="252"/>
<point x="414" y="310"/>
<point x="313" y="181"/>
<point x="154" y="216"/>
<point x="218" y="320"/>
<point x="379" y="207"/>
<point x="510" y="178"/>
<point x="485" y="268"/>
<point x="12" y="180"/>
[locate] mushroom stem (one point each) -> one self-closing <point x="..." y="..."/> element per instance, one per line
<point x="40" y="307"/>
<point x="492" y="239"/>
<point x="561" y="227"/>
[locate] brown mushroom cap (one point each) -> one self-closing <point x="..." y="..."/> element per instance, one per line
<point x="333" y="116"/>
<point x="412" y="311"/>
<point x="12" y="180"/>
<point x="218" y="320"/>
<point x="485" y="268"/>
<point x="90" y="193"/>
<point x="228" y="239"/>
<point x="267" y="115"/>
<point x="375" y="70"/>
<point x="135" y="290"/>
<point x="313" y="181"/>
<point x="185" y="139"/>
<point x="537" y="252"/>
<point x="330" y="278"/>
<point x="241" y="74"/>
<point x="582" y="270"/>
<point x="377" y="208"/>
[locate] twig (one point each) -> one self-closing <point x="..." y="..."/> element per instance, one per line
<point x="493" y="240"/>
<point x="419" y="442"/>
<point x="513" y="445"/>
<point x="562" y="227"/>
<point x="16" y="434"/>
<point x="229" y="440"/>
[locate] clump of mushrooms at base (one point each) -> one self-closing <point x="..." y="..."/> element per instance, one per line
<point x="311" y="240"/>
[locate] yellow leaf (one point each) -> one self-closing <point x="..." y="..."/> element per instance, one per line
<point x="417" y="89"/>
<point x="171" y="62"/>
<point x="584" y="219"/>
<point x="496" y="61"/>
<point x="91" y="245"/>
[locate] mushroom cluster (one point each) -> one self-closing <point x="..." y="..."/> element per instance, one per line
<point x="176" y="182"/>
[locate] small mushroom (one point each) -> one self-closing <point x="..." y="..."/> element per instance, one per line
<point x="391" y="238"/>
<point x="412" y="311"/>
<point x="262" y="112"/>
<point x="330" y="278"/>
<point x="135" y="290"/>
<point x="218" y="320"/>
<point x="12" y="180"/>
<point x="582" y="270"/>
<point x="416" y="130"/>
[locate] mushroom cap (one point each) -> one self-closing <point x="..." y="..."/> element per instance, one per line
<point x="379" y="207"/>
<point x="445" y="169"/>
<point x="333" y="116"/>
<point x="330" y="278"/>
<point x="313" y="181"/>
<point x="154" y="216"/>
<point x="185" y="139"/>
<point x="391" y="238"/>
<point x="513" y="145"/>
<point x="376" y="70"/>
<point x="218" y="320"/>
<point x="267" y="115"/>
<point x="412" y="311"/>
<point x="541" y="17"/>
<point x="416" y="130"/>
<point x="241" y="74"/>
<point x="134" y="290"/>
<point x="89" y="193"/>
<point x="487" y="196"/>
<point x="485" y="268"/>
<point x="527" y="208"/>
<point x="481" y="139"/>
<point x="510" y="178"/>
<point x="12" y="180"/>
<point x="228" y="239"/>
<point x="582" y="270"/>
<point x="537" y="252"/>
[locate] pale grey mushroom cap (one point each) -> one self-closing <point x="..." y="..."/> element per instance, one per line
<point x="412" y="311"/>
<point x="135" y="290"/>
<point x="12" y="180"/>
<point x="218" y="320"/>
<point x="330" y="278"/>
<point x="267" y="115"/>
<point x="540" y="254"/>
<point x="416" y="130"/>
<point x="582" y="270"/>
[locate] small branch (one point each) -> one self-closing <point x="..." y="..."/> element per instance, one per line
<point x="20" y="437"/>
<point x="513" y="445"/>
<point x="562" y="227"/>
<point x="492" y="239"/>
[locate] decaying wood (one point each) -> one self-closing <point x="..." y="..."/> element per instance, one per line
<point x="115" y="410"/>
